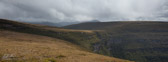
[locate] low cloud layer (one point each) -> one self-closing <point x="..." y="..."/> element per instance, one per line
<point x="84" y="10"/>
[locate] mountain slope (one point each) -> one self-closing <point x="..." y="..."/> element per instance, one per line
<point x="36" y="43"/>
<point x="74" y="36"/>
<point x="28" y="47"/>
<point x="141" y="41"/>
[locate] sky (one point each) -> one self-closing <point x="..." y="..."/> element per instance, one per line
<point x="84" y="10"/>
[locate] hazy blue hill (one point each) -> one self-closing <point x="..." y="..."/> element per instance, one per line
<point x="60" y="24"/>
<point x="47" y="23"/>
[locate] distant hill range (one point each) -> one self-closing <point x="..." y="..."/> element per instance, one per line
<point x="60" y="24"/>
<point x="132" y="25"/>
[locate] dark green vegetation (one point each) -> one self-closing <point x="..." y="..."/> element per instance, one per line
<point x="137" y="41"/>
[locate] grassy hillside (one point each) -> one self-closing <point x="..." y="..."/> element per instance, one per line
<point x="21" y="47"/>
<point x="84" y="38"/>
<point x="141" y="41"/>
<point x="22" y="42"/>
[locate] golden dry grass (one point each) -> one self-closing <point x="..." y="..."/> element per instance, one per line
<point x="35" y="48"/>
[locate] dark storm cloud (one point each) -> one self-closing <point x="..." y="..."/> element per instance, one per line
<point x="84" y="10"/>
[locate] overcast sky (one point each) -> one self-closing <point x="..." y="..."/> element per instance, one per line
<point x="84" y="10"/>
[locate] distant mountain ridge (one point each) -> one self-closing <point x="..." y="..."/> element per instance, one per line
<point x="111" y="25"/>
<point x="60" y="24"/>
<point x="53" y="24"/>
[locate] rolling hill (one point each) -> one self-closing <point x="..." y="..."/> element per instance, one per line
<point x="60" y="24"/>
<point x="20" y="42"/>
<point x="140" y="41"/>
